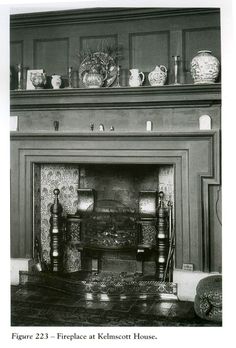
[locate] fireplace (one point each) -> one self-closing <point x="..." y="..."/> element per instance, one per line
<point x="193" y="175"/>
<point x="110" y="215"/>
<point x="118" y="166"/>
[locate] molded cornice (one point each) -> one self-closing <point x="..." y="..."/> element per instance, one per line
<point x="99" y="14"/>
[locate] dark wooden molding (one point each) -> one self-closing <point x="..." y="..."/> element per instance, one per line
<point x="100" y="14"/>
<point x="123" y="97"/>
<point x="214" y="178"/>
<point x="197" y="135"/>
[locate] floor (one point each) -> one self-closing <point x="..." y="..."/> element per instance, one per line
<point x="35" y="306"/>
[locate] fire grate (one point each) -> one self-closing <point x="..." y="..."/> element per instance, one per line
<point x="110" y="225"/>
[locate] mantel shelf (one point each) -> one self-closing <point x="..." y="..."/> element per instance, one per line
<point x="93" y="135"/>
<point x="121" y="97"/>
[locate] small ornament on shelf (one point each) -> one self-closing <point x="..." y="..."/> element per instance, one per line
<point x="56" y="81"/>
<point x="158" y="76"/>
<point x="176" y="69"/>
<point x="56" y="125"/>
<point x="134" y="79"/>
<point x="101" y="128"/>
<point x="38" y="79"/>
<point x="74" y="78"/>
<point x="204" y="68"/>
<point x="19" y="76"/>
<point x="149" y="126"/>
<point x="118" y="76"/>
<point x="205" y="122"/>
<point x="70" y="77"/>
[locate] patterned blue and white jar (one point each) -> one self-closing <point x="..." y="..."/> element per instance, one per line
<point x="204" y="68"/>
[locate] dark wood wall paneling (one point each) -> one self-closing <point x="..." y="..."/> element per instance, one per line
<point x="146" y="42"/>
<point x="16" y="57"/>
<point x="52" y="42"/>
<point x="148" y="50"/>
<point x="52" y="55"/>
<point x="198" y="39"/>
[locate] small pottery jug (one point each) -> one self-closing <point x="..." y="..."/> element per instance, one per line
<point x="135" y="80"/>
<point x="204" y="68"/>
<point x="38" y="80"/>
<point x="56" y="81"/>
<point x="158" y="76"/>
<point x="93" y="79"/>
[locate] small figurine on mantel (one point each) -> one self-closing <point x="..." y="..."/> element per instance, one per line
<point x="101" y="128"/>
<point x="149" y="126"/>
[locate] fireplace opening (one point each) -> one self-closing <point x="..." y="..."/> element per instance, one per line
<point x="115" y="218"/>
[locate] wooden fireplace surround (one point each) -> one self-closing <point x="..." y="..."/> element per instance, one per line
<point x="195" y="156"/>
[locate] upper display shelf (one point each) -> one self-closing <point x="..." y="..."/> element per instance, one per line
<point x="117" y="97"/>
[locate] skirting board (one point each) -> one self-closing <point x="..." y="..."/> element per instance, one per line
<point x="187" y="283"/>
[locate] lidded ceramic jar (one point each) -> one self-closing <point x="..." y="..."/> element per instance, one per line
<point x="158" y="76"/>
<point x="204" y="68"/>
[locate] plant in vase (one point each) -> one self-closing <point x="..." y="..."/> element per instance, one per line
<point x="99" y="68"/>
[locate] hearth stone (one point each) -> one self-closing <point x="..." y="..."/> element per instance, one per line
<point x="102" y="287"/>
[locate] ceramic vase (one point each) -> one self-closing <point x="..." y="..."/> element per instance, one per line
<point x="38" y="80"/>
<point x="56" y="81"/>
<point x="158" y="76"/>
<point x="204" y="68"/>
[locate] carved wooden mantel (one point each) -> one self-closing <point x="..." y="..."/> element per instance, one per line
<point x="120" y="98"/>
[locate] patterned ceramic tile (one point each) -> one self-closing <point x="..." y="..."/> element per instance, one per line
<point x="65" y="178"/>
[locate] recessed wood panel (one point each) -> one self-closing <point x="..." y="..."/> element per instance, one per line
<point x="97" y="43"/>
<point x="148" y="50"/>
<point x="16" y="57"/>
<point x="52" y="56"/>
<point x="195" y="40"/>
<point x="16" y="53"/>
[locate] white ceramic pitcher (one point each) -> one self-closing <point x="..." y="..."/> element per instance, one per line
<point x="135" y="80"/>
